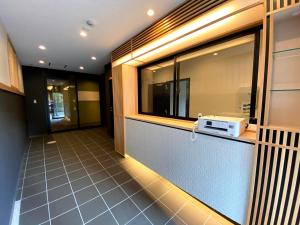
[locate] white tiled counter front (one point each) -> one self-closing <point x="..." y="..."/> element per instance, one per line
<point x="215" y="170"/>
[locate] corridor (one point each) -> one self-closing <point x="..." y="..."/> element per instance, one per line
<point x="79" y="179"/>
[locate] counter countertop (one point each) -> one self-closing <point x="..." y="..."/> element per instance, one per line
<point x="247" y="136"/>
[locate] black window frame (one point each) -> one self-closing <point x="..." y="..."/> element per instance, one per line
<point x="256" y="31"/>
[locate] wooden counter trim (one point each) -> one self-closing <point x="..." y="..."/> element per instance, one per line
<point x="13" y="90"/>
<point x="248" y="137"/>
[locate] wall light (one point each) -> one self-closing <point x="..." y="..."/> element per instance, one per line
<point x="41" y="61"/>
<point x="81" y="67"/>
<point x="93" y="58"/>
<point x="215" y="54"/>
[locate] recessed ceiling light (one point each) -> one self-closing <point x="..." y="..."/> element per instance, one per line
<point x="41" y="61"/>
<point x="81" y="67"/>
<point x="93" y="58"/>
<point x="216" y="54"/>
<point x="150" y="12"/>
<point x="42" y="47"/>
<point x="83" y="33"/>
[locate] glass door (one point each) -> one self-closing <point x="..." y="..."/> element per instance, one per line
<point x="62" y="104"/>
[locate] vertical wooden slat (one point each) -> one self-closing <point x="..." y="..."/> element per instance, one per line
<point x="287" y="175"/>
<point x="268" y="152"/>
<point x="278" y="182"/>
<point x="297" y="205"/>
<point x="272" y="183"/>
<point x="292" y="190"/>
<point x="261" y="152"/>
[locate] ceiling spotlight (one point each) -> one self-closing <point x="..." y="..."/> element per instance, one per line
<point x="83" y="33"/>
<point x="93" y="58"/>
<point x="41" y="61"/>
<point x="215" y="54"/>
<point x="42" y="47"/>
<point x="81" y="67"/>
<point x="150" y="12"/>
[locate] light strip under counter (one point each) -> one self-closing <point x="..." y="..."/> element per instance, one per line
<point x="248" y="136"/>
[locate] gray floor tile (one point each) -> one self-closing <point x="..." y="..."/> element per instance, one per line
<point x="143" y="199"/>
<point x="125" y="211"/>
<point x="81" y="183"/>
<point x="54" y="166"/>
<point x="212" y="221"/>
<point x="35" y="217"/>
<point x="95" y="168"/>
<point x="106" y="185"/>
<point x="158" y="214"/>
<point x="86" y="194"/>
<point x="176" y="221"/>
<point x="114" y="170"/>
<point x="33" y="202"/>
<point x="140" y="220"/>
<point x="115" y="196"/>
<point x="93" y="208"/>
<point x="59" y="192"/>
<point x="55" y="173"/>
<point x="51" y="160"/>
<point x="131" y="187"/>
<point x="90" y="162"/>
<point x="70" y="218"/>
<point x="107" y="162"/>
<point x="35" y="164"/>
<point x="52" y="183"/>
<point x="105" y="219"/>
<point x="122" y="177"/>
<point x="34" y="179"/>
<point x="73" y="167"/>
<point x="99" y="176"/>
<point x="192" y="215"/>
<point x="34" y="171"/>
<point x="77" y="174"/>
<point x="60" y="206"/>
<point x="34" y="189"/>
<point x="158" y="188"/>
<point x="173" y="200"/>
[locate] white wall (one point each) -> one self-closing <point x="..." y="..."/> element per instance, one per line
<point x="214" y="170"/>
<point x="4" y="69"/>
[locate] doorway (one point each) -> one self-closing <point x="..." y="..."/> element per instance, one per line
<point x="62" y="104"/>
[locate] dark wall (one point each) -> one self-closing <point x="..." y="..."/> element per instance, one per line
<point x="35" y="89"/>
<point x="35" y="86"/>
<point x="13" y="141"/>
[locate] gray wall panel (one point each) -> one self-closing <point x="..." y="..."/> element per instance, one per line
<point x="13" y="141"/>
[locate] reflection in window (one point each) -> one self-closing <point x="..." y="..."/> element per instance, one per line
<point x="157" y="89"/>
<point x="220" y="78"/>
<point x="216" y="80"/>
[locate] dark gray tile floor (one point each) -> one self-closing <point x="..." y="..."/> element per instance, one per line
<point x="76" y="178"/>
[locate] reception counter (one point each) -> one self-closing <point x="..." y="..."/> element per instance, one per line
<point x="215" y="169"/>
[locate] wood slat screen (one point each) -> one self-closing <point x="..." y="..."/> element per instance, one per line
<point x="274" y="5"/>
<point x="276" y="196"/>
<point x="184" y="13"/>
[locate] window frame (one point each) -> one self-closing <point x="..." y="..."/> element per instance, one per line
<point x="256" y="31"/>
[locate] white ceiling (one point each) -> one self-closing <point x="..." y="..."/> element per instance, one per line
<point x="56" y="24"/>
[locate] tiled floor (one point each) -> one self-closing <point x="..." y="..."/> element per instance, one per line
<point x="81" y="180"/>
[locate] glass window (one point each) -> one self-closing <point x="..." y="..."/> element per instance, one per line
<point x="220" y="78"/>
<point x="157" y="86"/>
<point x="213" y="80"/>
